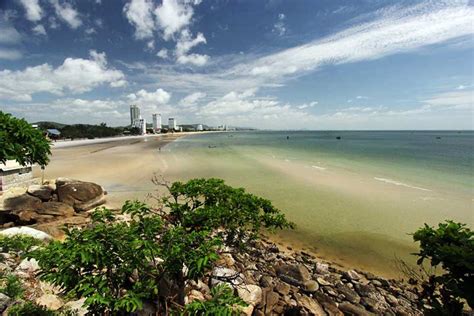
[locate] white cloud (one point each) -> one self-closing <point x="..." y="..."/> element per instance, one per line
<point x="307" y="105"/>
<point x="75" y="75"/>
<point x="457" y="100"/>
<point x="192" y="99"/>
<point x="34" y="13"/>
<point x="140" y="14"/>
<point x="174" y="15"/>
<point x="39" y="30"/>
<point x="280" y="27"/>
<point x="185" y="44"/>
<point x="9" y="34"/>
<point x="10" y="54"/>
<point x="461" y="87"/>
<point x="90" y="31"/>
<point x="163" y="53"/>
<point x="67" y="13"/>
<point x="144" y="98"/>
<point x="361" y="97"/>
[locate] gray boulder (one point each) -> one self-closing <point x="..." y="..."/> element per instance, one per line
<point x="44" y="192"/>
<point x="83" y="196"/>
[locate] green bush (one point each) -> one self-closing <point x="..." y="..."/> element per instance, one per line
<point x="117" y="266"/>
<point x="30" y="308"/>
<point x="22" y="142"/>
<point x="18" y="243"/>
<point x="223" y="303"/>
<point x="450" y="246"/>
<point x="11" y="286"/>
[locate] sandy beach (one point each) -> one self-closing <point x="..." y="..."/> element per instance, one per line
<point x="123" y="166"/>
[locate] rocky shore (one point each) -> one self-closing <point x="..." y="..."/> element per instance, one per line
<point x="271" y="280"/>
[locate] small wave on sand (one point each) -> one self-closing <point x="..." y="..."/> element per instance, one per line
<point x="318" y="168"/>
<point x="390" y="181"/>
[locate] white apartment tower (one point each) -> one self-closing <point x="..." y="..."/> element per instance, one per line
<point x="172" y="124"/>
<point x="134" y="115"/>
<point x="156" y="122"/>
<point x="142" y="126"/>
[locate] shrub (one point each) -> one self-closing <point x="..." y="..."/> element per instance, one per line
<point x="30" y="308"/>
<point x="22" y="142"/>
<point x="223" y="303"/>
<point x="18" y="243"/>
<point x="450" y="246"/>
<point x="117" y="266"/>
<point x="11" y="286"/>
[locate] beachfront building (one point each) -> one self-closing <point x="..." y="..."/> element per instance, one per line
<point x="199" y="127"/>
<point x="134" y="115"/>
<point x="156" y="122"/>
<point x="12" y="174"/>
<point x="172" y="124"/>
<point x="142" y="126"/>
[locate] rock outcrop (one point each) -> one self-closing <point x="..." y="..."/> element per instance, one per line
<point x="56" y="200"/>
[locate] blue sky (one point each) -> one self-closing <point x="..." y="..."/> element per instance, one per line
<point x="276" y="64"/>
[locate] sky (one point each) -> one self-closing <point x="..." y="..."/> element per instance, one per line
<point x="268" y="64"/>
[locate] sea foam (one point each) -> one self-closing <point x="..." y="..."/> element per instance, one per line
<point x="390" y="181"/>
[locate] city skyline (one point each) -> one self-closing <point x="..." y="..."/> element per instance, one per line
<point x="286" y="65"/>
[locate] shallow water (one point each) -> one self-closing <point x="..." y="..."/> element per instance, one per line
<point x="354" y="199"/>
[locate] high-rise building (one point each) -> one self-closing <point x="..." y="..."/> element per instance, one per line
<point x="156" y="122"/>
<point x="142" y="126"/>
<point x="199" y="127"/>
<point x="134" y="115"/>
<point x="172" y="124"/>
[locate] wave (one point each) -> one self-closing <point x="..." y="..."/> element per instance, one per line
<point x="390" y="181"/>
<point x="318" y="167"/>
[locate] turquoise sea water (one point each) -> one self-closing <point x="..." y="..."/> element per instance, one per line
<point x="355" y="196"/>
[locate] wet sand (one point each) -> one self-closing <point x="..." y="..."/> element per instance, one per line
<point x="123" y="167"/>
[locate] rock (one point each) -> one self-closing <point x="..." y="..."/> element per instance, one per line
<point x="4" y="302"/>
<point x="82" y="196"/>
<point x="246" y="310"/>
<point x="21" y="202"/>
<point x="147" y="310"/>
<point x="226" y="260"/>
<point x="271" y="299"/>
<point x="310" y="286"/>
<point x="26" y="217"/>
<point x="51" y="301"/>
<point x="220" y="274"/>
<point x="282" y="288"/>
<point x="194" y="295"/>
<point x="352" y="275"/>
<point x="267" y="281"/>
<point x="294" y="274"/>
<point x="323" y="282"/>
<point x="351" y="309"/>
<point x="251" y="294"/>
<point x="27" y="267"/>
<point x="321" y="268"/>
<point x="349" y="294"/>
<point x="77" y="306"/>
<point x="44" y="192"/>
<point x="310" y="304"/>
<point x="56" y="209"/>
<point x="376" y="283"/>
<point x="392" y="300"/>
<point x="27" y="231"/>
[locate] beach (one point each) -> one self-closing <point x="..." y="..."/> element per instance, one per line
<point x="352" y="207"/>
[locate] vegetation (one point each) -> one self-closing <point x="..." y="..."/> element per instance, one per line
<point x="30" y="308"/>
<point x="450" y="246"/>
<point x="11" y="286"/>
<point x="223" y="303"/>
<point x="22" y="142"/>
<point x="89" y="131"/>
<point x="117" y="266"/>
<point x="17" y="243"/>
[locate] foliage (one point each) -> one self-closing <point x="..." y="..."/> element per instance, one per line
<point x="89" y="131"/>
<point x="11" y="286"/>
<point x="118" y="265"/>
<point x="223" y="303"/>
<point x="30" y="308"/>
<point x="22" y="142"/>
<point x="18" y="243"/>
<point x="451" y="245"/>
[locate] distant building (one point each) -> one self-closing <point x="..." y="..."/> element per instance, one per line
<point x="172" y="124"/>
<point x="53" y="133"/>
<point x="142" y="126"/>
<point x="199" y="127"/>
<point x="134" y="115"/>
<point x="12" y="174"/>
<point x="156" y="122"/>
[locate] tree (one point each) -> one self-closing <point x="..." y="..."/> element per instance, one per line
<point x="117" y="266"/>
<point x="22" y="142"/>
<point x="451" y="245"/>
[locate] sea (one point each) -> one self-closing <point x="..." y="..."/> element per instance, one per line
<point x="355" y="196"/>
